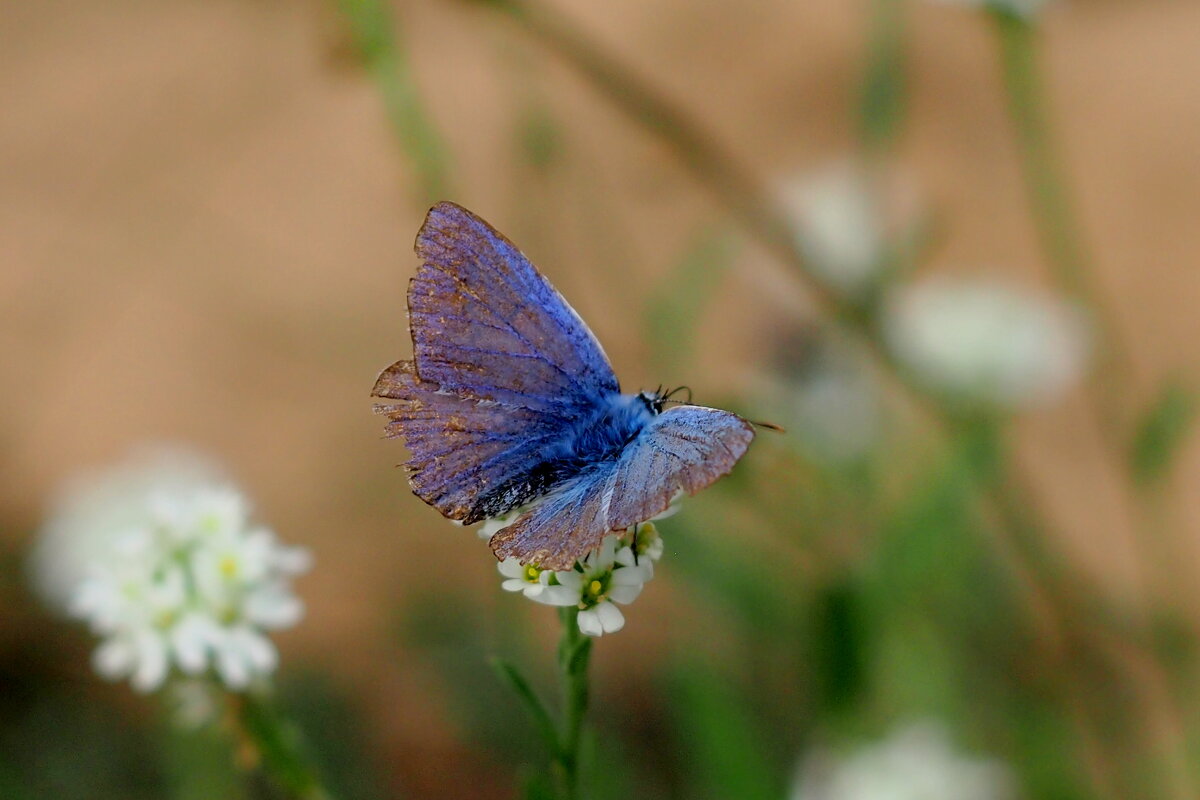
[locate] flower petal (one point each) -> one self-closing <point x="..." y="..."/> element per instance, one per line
<point x="611" y="618"/>
<point x="589" y="623"/>
<point x="625" y="594"/>
<point x="152" y="663"/>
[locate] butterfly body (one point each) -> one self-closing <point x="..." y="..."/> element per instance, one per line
<point x="510" y="402"/>
<point x="594" y="442"/>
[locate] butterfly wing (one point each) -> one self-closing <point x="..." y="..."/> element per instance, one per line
<point x="486" y="324"/>
<point x="684" y="449"/>
<point x="503" y="367"/>
<point x="461" y="447"/>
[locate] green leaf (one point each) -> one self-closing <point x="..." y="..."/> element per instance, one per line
<point x="839" y="644"/>
<point x="1162" y="431"/>
<point x="725" y="749"/>
<point x="537" y="786"/>
<point x="285" y="757"/>
<point x="512" y="677"/>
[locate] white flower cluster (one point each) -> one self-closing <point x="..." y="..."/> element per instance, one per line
<point x="176" y="577"/>
<point x="613" y="573"/>
<point x="917" y="762"/>
<point x="847" y="217"/>
<point x="987" y="342"/>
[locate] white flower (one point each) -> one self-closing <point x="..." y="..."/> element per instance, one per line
<point x="175" y="580"/>
<point x="606" y="576"/>
<point x="493" y="525"/>
<point x="846" y="218"/>
<point x="986" y="342"/>
<point x="94" y="508"/>
<point x="819" y="389"/>
<point x="613" y="573"/>
<point x="917" y="762"/>
<point x="1021" y="8"/>
<point x="526" y="578"/>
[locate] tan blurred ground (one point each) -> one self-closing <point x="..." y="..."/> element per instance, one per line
<point x="206" y="232"/>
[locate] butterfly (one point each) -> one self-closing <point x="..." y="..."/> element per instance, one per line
<point x="510" y="403"/>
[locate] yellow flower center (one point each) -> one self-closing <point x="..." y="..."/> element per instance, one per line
<point x="532" y="573"/>
<point x="228" y="567"/>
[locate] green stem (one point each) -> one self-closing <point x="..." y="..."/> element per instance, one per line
<point x="1062" y="242"/>
<point x="574" y="651"/>
<point x="373" y="28"/>
<point x="881" y="102"/>
<point x="1057" y="226"/>
<point x="279" y="749"/>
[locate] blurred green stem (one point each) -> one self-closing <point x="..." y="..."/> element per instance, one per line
<point x="707" y="160"/>
<point x="563" y="742"/>
<point x="373" y="29"/>
<point x="881" y="103"/>
<point x="574" y="651"/>
<point x="1057" y="225"/>
<point x="1063" y="244"/>
<point x="277" y="748"/>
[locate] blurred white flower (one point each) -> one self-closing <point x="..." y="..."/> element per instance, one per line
<point x="917" y="762"/>
<point x="819" y="389"/>
<point x="613" y="573"/>
<point x="846" y="218"/>
<point x="987" y="342"/>
<point x="193" y="703"/>
<point x="1021" y="8"/>
<point x="94" y="508"/>
<point x="162" y="561"/>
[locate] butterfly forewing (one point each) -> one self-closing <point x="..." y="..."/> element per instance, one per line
<point x="487" y="324"/>
<point x="503" y="368"/>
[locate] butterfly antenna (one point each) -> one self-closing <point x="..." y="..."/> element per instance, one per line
<point x="771" y="426"/>
<point x="667" y="397"/>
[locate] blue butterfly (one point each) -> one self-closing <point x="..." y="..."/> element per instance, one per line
<point x="510" y="402"/>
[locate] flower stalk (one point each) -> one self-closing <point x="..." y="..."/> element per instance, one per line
<point x="274" y="745"/>
<point x="1055" y="219"/>
<point x="563" y="740"/>
<point x="574" y="652"/>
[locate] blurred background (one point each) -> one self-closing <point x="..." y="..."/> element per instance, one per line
<point x="951" y="248"/>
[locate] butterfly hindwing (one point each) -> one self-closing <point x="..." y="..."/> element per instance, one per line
<point x="684" y="449"/>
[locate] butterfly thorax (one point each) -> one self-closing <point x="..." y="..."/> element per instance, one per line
<point x="595" y="440"/>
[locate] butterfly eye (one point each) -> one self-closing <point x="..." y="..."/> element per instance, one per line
<point x="652" y="400"/>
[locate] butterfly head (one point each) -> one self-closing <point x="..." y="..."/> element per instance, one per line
<point x="660" y="397"/>
<point x="652" y="400"/>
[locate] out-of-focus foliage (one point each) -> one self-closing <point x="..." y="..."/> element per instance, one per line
<point x="891" y="562"/>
